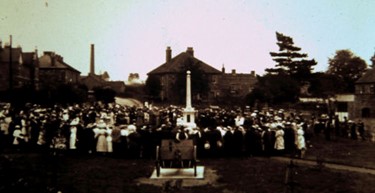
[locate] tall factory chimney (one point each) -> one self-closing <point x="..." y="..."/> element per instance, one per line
<point x="92" y="60"/>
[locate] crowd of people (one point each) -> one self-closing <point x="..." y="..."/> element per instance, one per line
<point x="131" y="132"/>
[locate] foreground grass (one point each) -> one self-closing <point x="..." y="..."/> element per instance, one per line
<point x="36" y="173"/>
<point x="343" y="151"/>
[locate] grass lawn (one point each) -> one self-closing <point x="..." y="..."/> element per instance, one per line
<point x="343" y="151"/>
<point x="37" y="173"/>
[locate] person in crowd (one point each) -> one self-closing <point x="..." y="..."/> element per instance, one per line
<point x="18" y="138"/>
<point x="279" y="142"/>
<point x="101" y="137"/>
<point x="353" y="130"/>
<point x="361" y="129"/>
<point x="73" y="139"/>
<point x="300" y="141"/>
<point x="181" y="134"/>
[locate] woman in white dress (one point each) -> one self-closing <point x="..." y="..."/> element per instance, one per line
<point x="101" y="136"/>
<point x="279" y="142"/>
<point x="300" y="141"/>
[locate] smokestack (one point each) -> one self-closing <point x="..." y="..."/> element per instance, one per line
<point x="168" y="56"/>
<point x="92" y="60"/>
<point x="190" y="51"/>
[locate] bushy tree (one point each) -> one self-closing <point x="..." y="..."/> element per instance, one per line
<point x="325" y="85"/>
<point x="289" y="60"/>
<point x="106" y="94"/>
<point x="274" y="89"/>
<point x="153" y="87"/>
<point x="199" y="81"/>
<point x="348" y="67"/>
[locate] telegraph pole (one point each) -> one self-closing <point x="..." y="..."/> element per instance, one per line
<point x="10" y="65"/>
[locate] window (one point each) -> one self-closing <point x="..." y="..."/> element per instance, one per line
<point x="366" y="113"/>
<point x="342" y="107"/>
<point x="372" y="89"/>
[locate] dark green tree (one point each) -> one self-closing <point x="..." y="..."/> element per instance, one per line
<point x="199" y="82"/>
<point x="274" y="89"/>
<point x="324" y="85"/>
<point x="106" y="94"/>
<point x="289" y="60"/>
<point x="372" y="65"/>
<point x="347" y="67"/>
<point x="153" y="87"/>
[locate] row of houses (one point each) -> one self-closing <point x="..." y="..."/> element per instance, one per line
<point x="25" y="69"/>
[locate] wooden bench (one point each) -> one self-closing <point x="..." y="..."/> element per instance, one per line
<point x="172" y="154"/>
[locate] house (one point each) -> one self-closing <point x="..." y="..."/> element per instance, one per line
<point x="23" y="70"/>
<point x="167" y="73"/>
<point x="220" y="84"/>
<point x="54" y="71"/>
<point x="237" y="85"/>
<point x="364" y="100"/>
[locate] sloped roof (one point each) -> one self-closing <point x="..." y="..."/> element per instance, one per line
<point x="179" y="62"/>
<point x="93" y="77"/>
<point x="45" y="62"/>
<point x="368" y="77"/>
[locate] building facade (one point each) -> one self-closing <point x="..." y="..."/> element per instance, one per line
<point x="364" y="101"/>
<point x="221" y="85"/>
<point x="18" y="69"/>
<point x="54" y="71"/>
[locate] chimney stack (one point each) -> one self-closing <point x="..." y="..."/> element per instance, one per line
<point x="190" y="51"/>
<point x="233" y="72"/>
<point x="223" y="69"/>
<point x="252" y="73"/>
<point x="168" y="56"/>
<point x="92" y="60"/>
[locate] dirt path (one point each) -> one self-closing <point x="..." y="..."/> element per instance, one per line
<point x="328" y="165"/>
<point x="128" y="102"/>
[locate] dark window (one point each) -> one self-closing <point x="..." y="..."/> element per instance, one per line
<point x="342" y="107"/>
<point x="366" y="112"/>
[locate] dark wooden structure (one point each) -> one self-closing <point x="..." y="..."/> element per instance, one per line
<point x="173" y="154"/>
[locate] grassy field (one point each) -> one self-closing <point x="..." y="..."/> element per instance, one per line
<point x="36" y="173"/>
<point x="343" y="151"/>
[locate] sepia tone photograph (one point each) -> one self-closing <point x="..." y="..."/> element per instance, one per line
<point x="187" y="96"/>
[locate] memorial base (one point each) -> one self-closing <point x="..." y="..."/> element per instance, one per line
<point x="179" y="173"/>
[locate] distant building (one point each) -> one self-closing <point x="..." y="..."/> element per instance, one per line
<point x="221" y="84"/>
<point x="93" y="80"/>
<point x="364" y="101"/>
<point x="237" y="84"/>
<point x="23" y="71"/>
<point x="54" y="71"/>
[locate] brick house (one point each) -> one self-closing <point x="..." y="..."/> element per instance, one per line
<point x="54" y="71"/>
<point x="221" y="85"/>
<point x="23" y="70"/>
<point x="364" y="100"/>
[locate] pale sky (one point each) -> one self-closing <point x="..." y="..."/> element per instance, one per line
<point x="132" y="36"/>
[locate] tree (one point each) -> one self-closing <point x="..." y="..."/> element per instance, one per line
<point x="199" y="81"/>
<point x="289" y="60"/>
<point x="347" y="67"/>
<point x="372" y="65"/>
<point x="325" y="85"/>
<point x="106" y="94"/>
<point x="153" y="87"/>
<point x="274" y="89"/>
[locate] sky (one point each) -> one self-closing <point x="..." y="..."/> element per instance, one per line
<point x="132" y="36"/>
